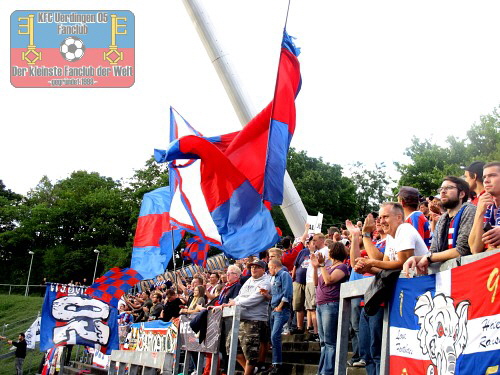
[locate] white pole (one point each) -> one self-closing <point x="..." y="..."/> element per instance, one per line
<point x="29" y="274"/>
<point x="96" y="260"/>
<point x="293" y="208"/>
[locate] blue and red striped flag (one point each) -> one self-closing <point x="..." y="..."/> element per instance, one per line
<point x="113" y="285"/>
<point x="196" y="251"/>
<point x="241" y="173"/>
<point x="153" y="243"/>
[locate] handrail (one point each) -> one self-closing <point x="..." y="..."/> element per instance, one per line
<point x="358" y="288"/>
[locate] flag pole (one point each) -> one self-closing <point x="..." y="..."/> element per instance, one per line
<point x="173" y="257"/>
<point x="292" y="206"/>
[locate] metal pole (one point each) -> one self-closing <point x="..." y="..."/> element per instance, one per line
<point x="292" y="206"/>
<point x="173" y="257"/>
<point x="29" y="274"/>
<point x="96" y="260"/>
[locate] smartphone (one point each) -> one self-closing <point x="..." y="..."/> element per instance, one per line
<point x="487" y="227"/>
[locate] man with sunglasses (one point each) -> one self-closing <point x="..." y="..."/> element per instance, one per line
<point x="452" y="229"/>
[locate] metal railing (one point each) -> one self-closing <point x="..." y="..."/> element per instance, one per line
<point x="33" y="290"/>
<point x="355" y="289"/>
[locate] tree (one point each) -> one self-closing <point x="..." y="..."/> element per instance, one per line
<point x="8" y="202"/>
<point x="371" y="187"/>
<point x="63" y="222"/>
<point x="322" y="188"/>
<point x="430" y="163"/>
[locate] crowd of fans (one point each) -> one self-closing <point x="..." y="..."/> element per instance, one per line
<point x="295" y="289"/>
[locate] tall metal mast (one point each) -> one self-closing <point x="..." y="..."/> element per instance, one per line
<point x="293" y="208"/>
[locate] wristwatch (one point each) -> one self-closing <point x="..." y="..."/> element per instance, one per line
<point x="367" y="235"/>
<point x="321" y="264"/>
<point x="429" y="260"/>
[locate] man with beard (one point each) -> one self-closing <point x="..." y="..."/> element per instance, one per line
<point x="453" y="228"/>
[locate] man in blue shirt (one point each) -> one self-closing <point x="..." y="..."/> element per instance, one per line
<point x="281" y="298"/>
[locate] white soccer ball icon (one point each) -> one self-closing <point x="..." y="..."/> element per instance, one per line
<point x="72" y="48"/>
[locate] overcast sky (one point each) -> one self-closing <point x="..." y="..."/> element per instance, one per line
<point x="374" y="74"/>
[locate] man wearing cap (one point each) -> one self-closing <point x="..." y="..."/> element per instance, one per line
<point x="410" y="198"/>
<point x="452" y="231"/>
<point x="473" y="174"/>
<point x="254" y="315"/>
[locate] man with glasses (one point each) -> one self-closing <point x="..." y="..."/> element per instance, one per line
<point x="452" y="229"/>
<point x="486" y="228"/>
<point x="254" y="315"/>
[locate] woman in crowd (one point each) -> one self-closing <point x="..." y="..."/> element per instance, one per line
<point x="327" y="280"/>
<point x="198" y="301"/>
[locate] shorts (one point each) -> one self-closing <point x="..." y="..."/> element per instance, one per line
<point x="310" y="296"/>
<point x="250" y="335"/>
<point x="299" y="296"/>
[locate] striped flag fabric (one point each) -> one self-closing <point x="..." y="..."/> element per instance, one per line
<point x="113" y="285"/>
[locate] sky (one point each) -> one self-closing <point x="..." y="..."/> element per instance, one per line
<point x="374" y="75"/>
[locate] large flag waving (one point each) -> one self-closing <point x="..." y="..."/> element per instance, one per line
<point x="153" y="241"/>
<point x="236" y="172"/>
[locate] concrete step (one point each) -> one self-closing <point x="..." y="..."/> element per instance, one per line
<point x="77" y="367"/>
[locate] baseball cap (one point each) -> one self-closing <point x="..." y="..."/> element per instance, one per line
<point x="476" y="168"/>
<point x="409" y="194"/>
<point x="256" y="262"/>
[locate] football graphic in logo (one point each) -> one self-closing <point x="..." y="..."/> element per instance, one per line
<point x="72" y="48"/>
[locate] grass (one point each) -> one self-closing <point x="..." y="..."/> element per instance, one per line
<point x="16" y="315"/>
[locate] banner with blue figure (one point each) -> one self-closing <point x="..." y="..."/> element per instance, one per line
<point x="70" y="317"/>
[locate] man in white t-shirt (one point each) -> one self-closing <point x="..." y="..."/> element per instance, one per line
<point x="402" y="241"/>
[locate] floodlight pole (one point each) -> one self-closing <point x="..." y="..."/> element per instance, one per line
<point x="292" y="206"/>
<point x="29" y="274"/>
<point x="96" y="260"/>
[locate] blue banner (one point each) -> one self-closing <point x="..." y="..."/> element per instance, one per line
<point x="70" y="317"/>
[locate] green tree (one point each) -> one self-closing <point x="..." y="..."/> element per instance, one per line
<point x="430" y="162"/>
<point x="371" y="187"/>
<point x="322" y="188"/>
<point x="63" y="222"/>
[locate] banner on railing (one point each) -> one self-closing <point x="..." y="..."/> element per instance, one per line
<point x="154" y="336"/>
<point x="70" y="317"/>
<point x="447" y="323"/>
<point x="189" y="340"/>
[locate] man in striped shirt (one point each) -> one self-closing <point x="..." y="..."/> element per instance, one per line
<point x="453" y="228"/>
<point x="409" y="198"/>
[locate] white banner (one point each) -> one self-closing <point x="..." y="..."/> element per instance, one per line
<point x="32" y="335"/>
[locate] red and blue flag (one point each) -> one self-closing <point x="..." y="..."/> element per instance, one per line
<point x="152" y="249"/>
<point x="113" y="285"/>
<point x="447" y="323"/>
<point x="236" y="173"/>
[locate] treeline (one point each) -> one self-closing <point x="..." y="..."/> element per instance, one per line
<point x="64" y="221"/>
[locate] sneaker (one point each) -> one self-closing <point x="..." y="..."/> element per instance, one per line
<point x="360" y="363"/>
<point x="350" y="363"/>
<point x="297" y="331"/>
<point x="314" y="337"/>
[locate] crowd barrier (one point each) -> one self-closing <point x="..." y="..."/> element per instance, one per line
<point x="147" y="362"/>
<point x="358" y="288"/>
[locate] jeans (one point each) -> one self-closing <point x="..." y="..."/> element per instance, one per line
<point x="278" y="320"/>
<point x="328" y="316"/>
<point x="19" y="366"/>
<point x="370" y="340"/>
<point x="355" y="313"/>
